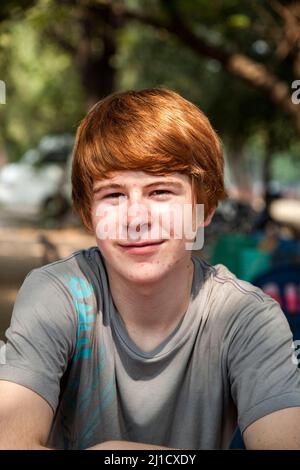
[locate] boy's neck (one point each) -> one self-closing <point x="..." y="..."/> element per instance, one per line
<point x="153" y="310"/>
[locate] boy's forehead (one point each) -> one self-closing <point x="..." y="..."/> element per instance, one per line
<point x="128" y="177"/>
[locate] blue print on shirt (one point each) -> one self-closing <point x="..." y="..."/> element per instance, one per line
<point x="107" y="395"/>
<point x="82" y="403"/>
<point x="81" y="290"/>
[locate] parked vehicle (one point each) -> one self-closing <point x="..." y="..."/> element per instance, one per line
<point x="36" y="185"/>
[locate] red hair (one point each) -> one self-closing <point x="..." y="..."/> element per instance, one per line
<point x="154" y="130"/>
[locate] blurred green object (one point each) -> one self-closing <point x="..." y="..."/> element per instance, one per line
<point x="240" y="254"/>
<point x="254" y="262"/>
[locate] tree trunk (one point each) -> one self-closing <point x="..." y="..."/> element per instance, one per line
<point x="96" y="48"/>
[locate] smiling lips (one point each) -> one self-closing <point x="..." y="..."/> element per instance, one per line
<point x="142" y="247"/>
<point x="143" y="243"/>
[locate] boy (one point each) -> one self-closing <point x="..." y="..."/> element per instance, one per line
<point x="137" y="343"/>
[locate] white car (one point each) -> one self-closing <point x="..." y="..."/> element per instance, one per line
<point x="37" y="184"/>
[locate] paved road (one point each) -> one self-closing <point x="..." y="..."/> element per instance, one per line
<point x="22" y="248"/>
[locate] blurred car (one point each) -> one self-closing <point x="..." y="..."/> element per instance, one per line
<point x="36" y="185"/>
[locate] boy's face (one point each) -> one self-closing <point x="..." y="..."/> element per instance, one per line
<point x="134" y="208"/>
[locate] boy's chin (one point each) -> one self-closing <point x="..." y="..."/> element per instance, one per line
<point x="144" y="276"/>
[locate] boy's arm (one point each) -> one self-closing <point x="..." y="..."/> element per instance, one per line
<point x="40" y="342"/>
<point x="278" y="430"/>
<point x="264" y="377"/>
<point x="25" y="418"/>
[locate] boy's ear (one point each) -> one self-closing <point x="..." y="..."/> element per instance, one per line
<point x="209" y="217"/>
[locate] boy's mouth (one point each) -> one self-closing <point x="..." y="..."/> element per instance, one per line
<point x="143" y="247"/>
<point x="142" y="243"/>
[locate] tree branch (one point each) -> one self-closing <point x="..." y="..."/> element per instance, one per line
<point x="238" y="65"/>
<point x="290" y="41"/>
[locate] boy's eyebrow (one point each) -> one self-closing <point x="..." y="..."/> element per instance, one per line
<point x="101" y="186"/>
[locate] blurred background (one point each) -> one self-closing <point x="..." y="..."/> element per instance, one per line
<point x="238" y="60"/>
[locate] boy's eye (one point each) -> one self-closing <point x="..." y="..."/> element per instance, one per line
<point x="160" y="192"/>
<point x="113" y="195"/>
<point x="157" y="192"/>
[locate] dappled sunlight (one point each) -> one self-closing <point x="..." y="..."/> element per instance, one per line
<point x="286" y="211"/>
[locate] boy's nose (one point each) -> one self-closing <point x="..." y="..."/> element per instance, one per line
<point x="138" y="212"/>
<point x="138" y="217"/>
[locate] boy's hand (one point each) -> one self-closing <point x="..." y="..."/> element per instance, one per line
<point x="126" y="445"/>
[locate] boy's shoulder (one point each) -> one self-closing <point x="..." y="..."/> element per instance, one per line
<point x="72" y="274"/>
<point x="230" y="299"/>
<point x="74" y="264"/>
<point x="221" y="279"/>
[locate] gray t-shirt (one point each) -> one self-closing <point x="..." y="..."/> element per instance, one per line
<point x="228" y="360"/>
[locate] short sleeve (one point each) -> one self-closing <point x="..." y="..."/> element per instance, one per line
<point x="262" y="370"/>
<point x="42" y="335"/>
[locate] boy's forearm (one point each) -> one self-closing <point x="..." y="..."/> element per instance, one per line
<point x="126" y="445"/>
